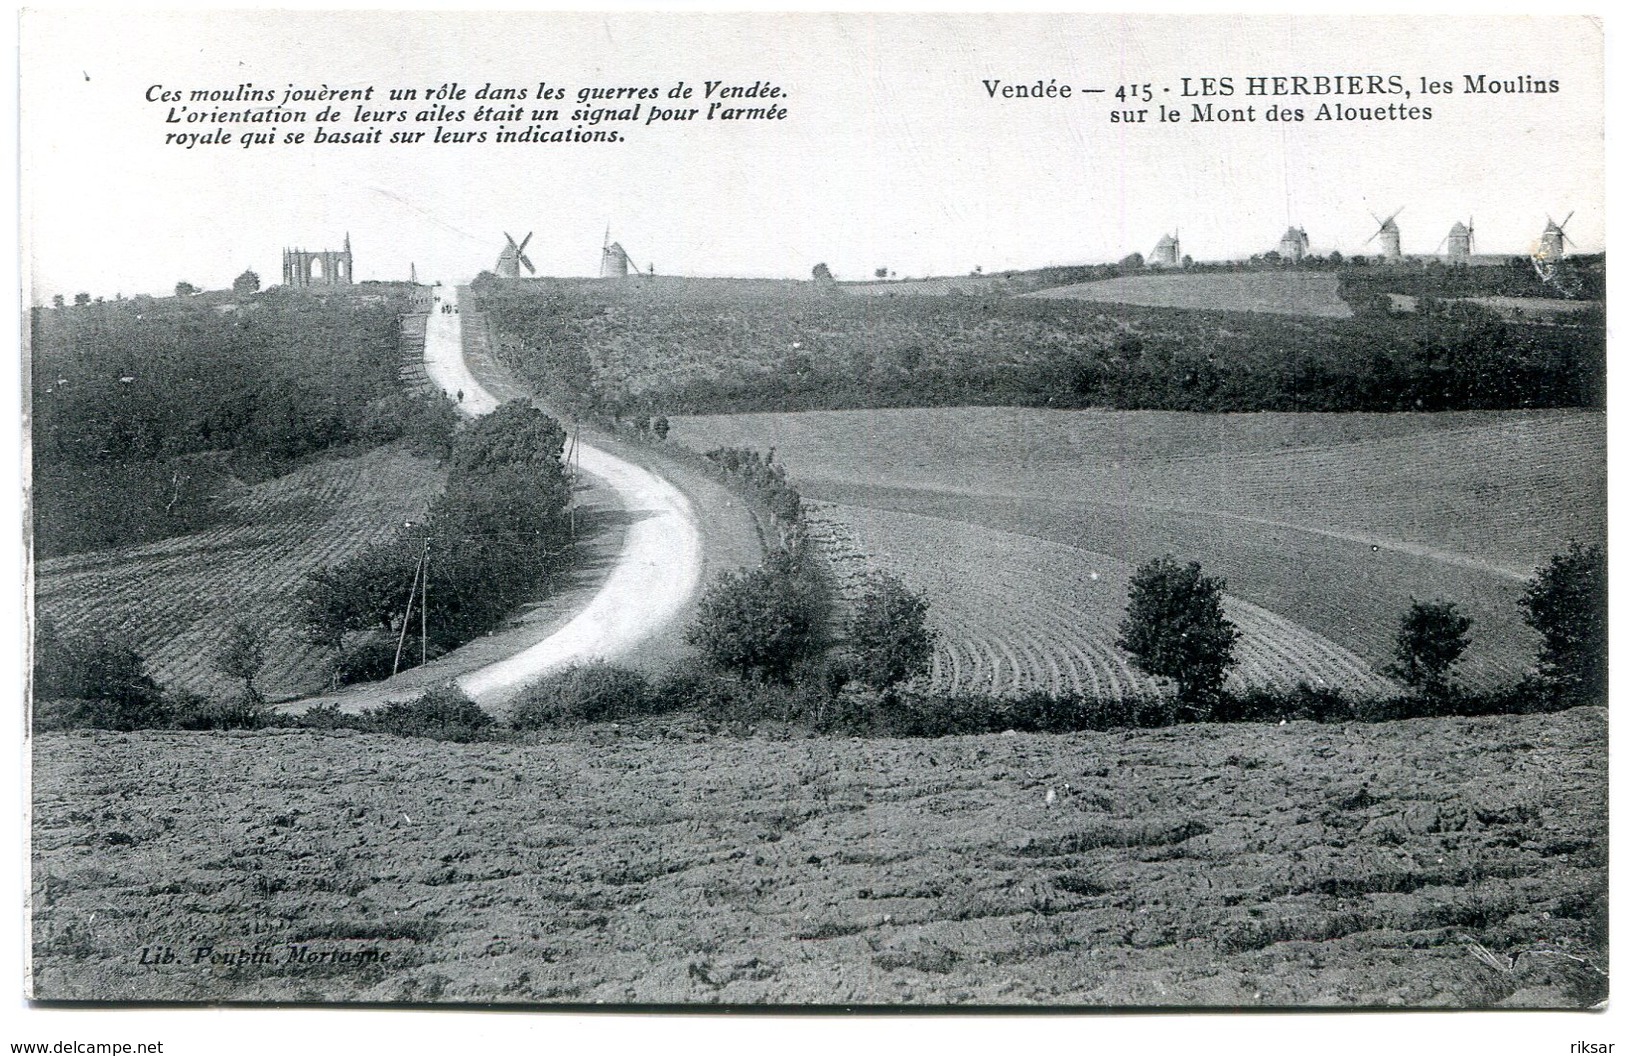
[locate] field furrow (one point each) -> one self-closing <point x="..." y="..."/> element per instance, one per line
<point x="174" y="599"/>
<point x="1017" y="613"/>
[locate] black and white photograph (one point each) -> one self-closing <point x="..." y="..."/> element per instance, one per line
<point x="841" y="512"/>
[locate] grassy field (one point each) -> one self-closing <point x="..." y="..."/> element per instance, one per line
<point x="174" y="599"/>
<point x="1325" y="526"/>
<point x="1450" y="862"/>
<point x="956" y="286"/>
<point x="1279" y="292"/>
<point x="713" y="346"/>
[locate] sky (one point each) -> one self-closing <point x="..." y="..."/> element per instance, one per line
<point x="891" y="154"/>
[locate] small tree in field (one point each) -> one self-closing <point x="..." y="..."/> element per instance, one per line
<point x="889" y="639"/>
<point x="246" y="283"/>
<point x="184" y="289"/>
<point x="1567" y="604"/>
<point x="758" y="623"/>
<point x="1176" y="628"/>
<point x="1432" y="637"/>
<point x="242" y="656"/>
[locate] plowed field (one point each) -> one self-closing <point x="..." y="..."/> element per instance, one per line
<point x="1449" y="862"/>
<point x="174" y="599"/>
<point x="1023" y="525"/>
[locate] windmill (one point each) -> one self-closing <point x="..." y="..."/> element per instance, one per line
<point x="1554" y="241"/>
<point x="512" y="256"/>
<point x="1459" y="240"/>
<point x="1294" y="244"/>
<point x="1166" y="253"/>
<point x="614" y="263"/>
<point x="1388" y="231"/>
<point x="1548" y="258"/>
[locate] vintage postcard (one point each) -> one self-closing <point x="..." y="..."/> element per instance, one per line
<point x="853" y="511"/>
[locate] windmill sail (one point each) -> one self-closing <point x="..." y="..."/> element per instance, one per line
<point x="513" y="257"/>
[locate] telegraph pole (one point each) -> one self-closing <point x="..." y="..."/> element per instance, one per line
<point x="406" y="621"/>
<point x="425" y="624"/>
<point x="572" y="459"/>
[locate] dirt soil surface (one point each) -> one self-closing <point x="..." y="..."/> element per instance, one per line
<point x="1451" y="862"/>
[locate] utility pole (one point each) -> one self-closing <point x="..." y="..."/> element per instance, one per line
<point x="406" y="620"/>
<point x="425" y="624"/>
<point x="572" y="459"/>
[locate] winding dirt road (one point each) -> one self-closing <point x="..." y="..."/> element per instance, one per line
<point x="654" y="577"/>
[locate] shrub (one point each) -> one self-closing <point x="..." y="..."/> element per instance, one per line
<point x="514" y="435"/>
<point x="426" y="422"/>
<point x="887" y="634"/>
<point x="1302" y="702"/>
<point x="862" y="709"/>
<point x="245" y="711"/>
<point x="94" y="684"/>
<point x="372" y="661"/>
<point x="445" y="713"/>
<point x="590" y="692"/>
<point x="759" y="623"/>
<point x="694" y="685"/>
<point x="328" y="717"/>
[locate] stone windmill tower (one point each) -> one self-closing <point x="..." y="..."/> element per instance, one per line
<point x="1294" y="244"/>
<point x="1166" y="254"/>
<point x="614" y="263"/>
<point x="1387" y="233"/>
<point x="1554" y="241"/>
<point x="1458" y="243"/>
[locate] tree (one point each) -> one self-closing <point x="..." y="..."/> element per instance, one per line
<point x="57" y="301"/>
<point x="1132" y="262"/>
<point x="822" y="273"/>
<point x="184" y="289"/>
<point x="1432" y="637"/>
<point x="242" y="655"/>
<point x="1175" y="627"/>
<point x="758" y="623"/>
<point x="246" y="283"/>
<point x="1567" y="605"/>
<point x="887" y="633"/>
<point x="81" y="298"/>
<point x="881" y="273"/>
<point x="514" y="435"/>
